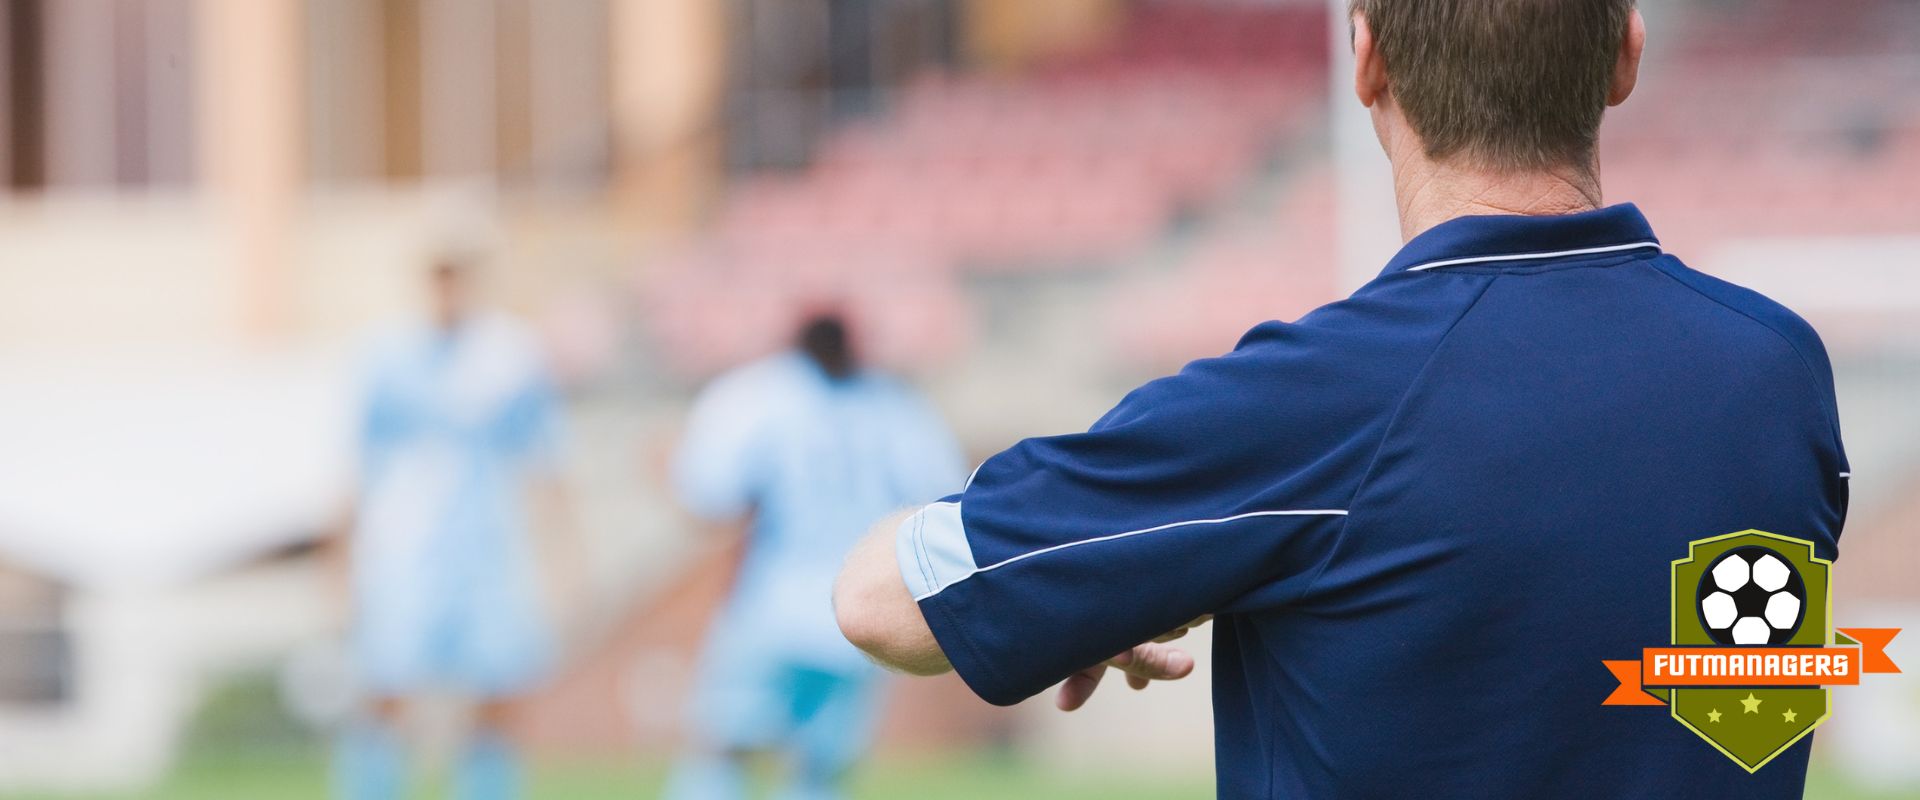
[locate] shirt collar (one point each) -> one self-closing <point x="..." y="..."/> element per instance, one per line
<point x="1506" y="239"/>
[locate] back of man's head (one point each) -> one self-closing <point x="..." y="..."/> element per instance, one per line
<point x="451" y="276"/>
<point x="823" y="338"/>
<point x="1508" y="84"/>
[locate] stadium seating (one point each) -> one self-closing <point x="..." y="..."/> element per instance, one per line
<point x="1229" y="281"/>
<point x="1778" y="118"/>
<point x="1073" y="165"/>
<point x="1758" y="118"/>
<point x="1749" y="124"/>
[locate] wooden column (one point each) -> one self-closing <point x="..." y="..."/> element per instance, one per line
<point x="250" y="110"/>
<point x="669" y="69"/>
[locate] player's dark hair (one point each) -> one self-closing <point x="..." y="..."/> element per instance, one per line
<point x="1511" y="84"/>
<point x="824" y="339"/>
<point x="452" y="264"/>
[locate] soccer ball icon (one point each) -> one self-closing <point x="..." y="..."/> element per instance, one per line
<point x="1751" y="595"/>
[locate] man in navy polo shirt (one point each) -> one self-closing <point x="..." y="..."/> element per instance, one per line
<point x="1422" y="516"/>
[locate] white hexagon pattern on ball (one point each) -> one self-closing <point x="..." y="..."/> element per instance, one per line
<point x="1783" y="610"/>
<point x="1751" y="630"/>
<point x="1720" y="610"/>
<point x="1770" y="572"/>
<point x="1730" y="574"/>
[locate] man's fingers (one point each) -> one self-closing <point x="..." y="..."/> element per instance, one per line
<point x="1075" y="692"/>
<point x="1156" y="662"/>
<point x="1143" y="665"/>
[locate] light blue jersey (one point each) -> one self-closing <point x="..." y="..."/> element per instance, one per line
<point x="815" y="462"/>
<point x="453" y="424"/>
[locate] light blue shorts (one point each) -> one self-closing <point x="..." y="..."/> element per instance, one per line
<point x="751" y="697"/>
<point x="487" y="643"/>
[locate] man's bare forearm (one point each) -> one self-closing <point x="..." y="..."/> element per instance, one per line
<point x="877" y="613"/>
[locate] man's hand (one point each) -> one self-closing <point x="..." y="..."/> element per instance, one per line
<point x="1149" y="662"/>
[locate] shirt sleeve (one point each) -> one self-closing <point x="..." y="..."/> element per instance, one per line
<point x="714" y="467"/>
<point x="1195" y="493"/>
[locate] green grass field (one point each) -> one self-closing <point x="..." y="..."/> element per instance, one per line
<point x="242" y="747"/>
<point x="943" y="779"/>
<point x="949" y="778"/>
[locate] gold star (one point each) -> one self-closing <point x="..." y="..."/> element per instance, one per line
<point x="1713" y="716"/>
<point x="1752" y="703"/>
<point x="1789" y="715"/>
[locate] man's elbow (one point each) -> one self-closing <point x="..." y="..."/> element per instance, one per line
<point x="859" y="621"/>
<point x="863" y="620"/>
<point x="879" y="617"/>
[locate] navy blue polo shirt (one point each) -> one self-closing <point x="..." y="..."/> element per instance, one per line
<point x="1423" y="516"/>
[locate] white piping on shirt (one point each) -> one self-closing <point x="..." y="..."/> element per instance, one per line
<point x="1154" y="529"/>
<point x="1458" y="262"/>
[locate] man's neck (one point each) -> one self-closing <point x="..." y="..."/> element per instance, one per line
<point x="1430" y="193"/>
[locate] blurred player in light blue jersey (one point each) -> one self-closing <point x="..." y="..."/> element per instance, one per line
<point x="457" y="436"/>
<point x="813" y="449"/>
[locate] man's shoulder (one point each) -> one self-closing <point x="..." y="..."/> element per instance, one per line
<point x="1338" y="366"/>
<point x="1390" y="323"/>
<point x="1748" y="308"/>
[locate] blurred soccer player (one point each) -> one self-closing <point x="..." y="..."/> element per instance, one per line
<point x="1425" y="514"/>
<point x="457" y="438"/>
<point x="812" y="448"/>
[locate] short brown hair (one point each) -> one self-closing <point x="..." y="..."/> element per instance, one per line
<point x="1514" y="84"/>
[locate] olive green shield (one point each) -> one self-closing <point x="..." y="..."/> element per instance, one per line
<point x="1750" y="725"/>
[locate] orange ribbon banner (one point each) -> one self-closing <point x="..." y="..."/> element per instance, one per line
<point x="1665" y="667"/>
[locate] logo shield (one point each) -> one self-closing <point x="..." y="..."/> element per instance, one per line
<point x="1738" y="574"/>
<point x="1751" y="647"/>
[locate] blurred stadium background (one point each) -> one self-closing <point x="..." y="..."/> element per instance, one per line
<point x="1028" y="207"/>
